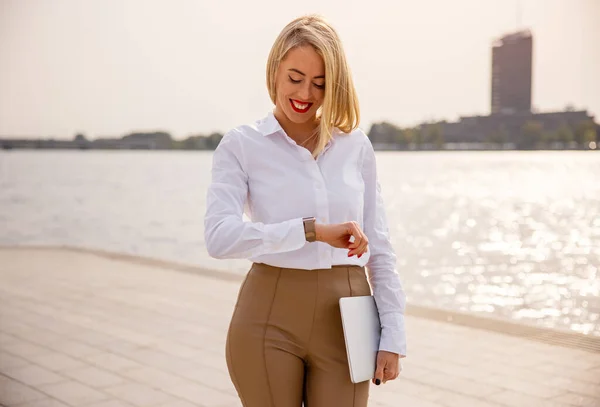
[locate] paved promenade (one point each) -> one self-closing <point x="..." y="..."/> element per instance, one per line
<point x="90" y="330"/>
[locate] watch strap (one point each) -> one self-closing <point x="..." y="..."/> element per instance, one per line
<point x="309" y="229"/>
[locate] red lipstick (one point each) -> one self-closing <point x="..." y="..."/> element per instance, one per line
<point x="306" y="109"/>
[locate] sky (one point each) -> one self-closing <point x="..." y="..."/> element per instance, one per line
<point x="109" y="67"/>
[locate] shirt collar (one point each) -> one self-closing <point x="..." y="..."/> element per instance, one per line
<point x="268" y="125"/>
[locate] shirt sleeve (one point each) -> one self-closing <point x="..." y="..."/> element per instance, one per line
<point x="226" y="234"/>
<point x="381" y="265"/>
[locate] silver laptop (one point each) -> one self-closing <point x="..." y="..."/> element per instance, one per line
<point x="362" y="331"/>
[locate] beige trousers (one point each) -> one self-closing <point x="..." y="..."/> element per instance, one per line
<point x="285" y="344"/>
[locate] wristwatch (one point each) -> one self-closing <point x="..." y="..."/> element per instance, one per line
<point x="309" y="229"/>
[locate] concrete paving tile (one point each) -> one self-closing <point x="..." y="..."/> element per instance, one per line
<point x="25" y="349"/>
<point x="73" y="393"/>
<point x="460" y="385"/>
<point x="110" y="403"/>
<point x="487" y="367"/>
<point x="8" y="361"/>
<point x="46" y="402"/>
<point x="578" y="363"/>
<point x="156" y="378"/>
<point x="12" y="392"/>
<point x="111" y="362"/>
<point x="94" y="376"/>
<point x="527" y="374"/>
<point x="209" y="377"/>
<point x="57" y="361"/>
<point x="515" y="399"/>
<point x="6" y="338"/>
<point x="203" y="395"/>
<point x="74" y="348"/>
<point x="575" y="386"/>
<point x="450" y="399"/>
<point x="176" y="349"/>
<point x="121" y="347"/>
<point x="524" y="386"/>
<point x="49" y="322"/>
<point x="124" y="334"/>
<point x="399" y="399"/>
<point x="457" y="370"/>
<point x="92" y="337"/>
<point x="403" y="386"/>
<point x="33" y="375"/>
<point x="138" y="394"/>
<point x="44" y="338"/>
<point x="183" y="403"/>
<point x="154" y="358"/>
<point x="574" y="399"/>
<point x="16" y="327"/>
<point x="413" y="371"/>
<point x="551" y="369"/>
<point x="594" y="357"/>
<point x="590" y="375"/>
<point x="212" y="360"/>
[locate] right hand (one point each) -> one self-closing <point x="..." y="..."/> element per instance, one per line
<point x="338" y="235"/>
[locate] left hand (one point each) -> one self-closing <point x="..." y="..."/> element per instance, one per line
<point x="388" y="366"/>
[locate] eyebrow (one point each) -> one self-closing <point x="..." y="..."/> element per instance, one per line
<point x="303" y="74"/>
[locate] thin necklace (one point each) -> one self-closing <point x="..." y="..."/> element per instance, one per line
<point x="311" y="137"/>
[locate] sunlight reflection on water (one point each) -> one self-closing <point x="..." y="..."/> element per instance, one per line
<point x="513" y="234"/>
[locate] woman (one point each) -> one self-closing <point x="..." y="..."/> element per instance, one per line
<point x="305" y="175"/>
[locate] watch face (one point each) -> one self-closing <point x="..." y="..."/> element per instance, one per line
<point x="309" y="229"/>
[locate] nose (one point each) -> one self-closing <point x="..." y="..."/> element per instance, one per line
<point x="306" y="91"/>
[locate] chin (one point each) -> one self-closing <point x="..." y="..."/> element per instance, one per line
<point x="300" y="117"/>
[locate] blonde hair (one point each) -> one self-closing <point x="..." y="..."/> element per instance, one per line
<point x="340" y="103"/>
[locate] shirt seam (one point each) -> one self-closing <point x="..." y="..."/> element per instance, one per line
<point x="241" y="156"/>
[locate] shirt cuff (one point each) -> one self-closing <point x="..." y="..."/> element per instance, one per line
<point x="393" y="337"/>
<point x="285" y="236"/>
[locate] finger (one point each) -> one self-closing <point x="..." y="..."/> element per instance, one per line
<point x="392" y="378"/>
<point x="360" y="251"/>
<point x="388" y="374"/>
<point x="363" y="237"/>
<point x="358" y="238"/>
<point x="363" y="249"/>
<point x="355" y="250"/>
<point x="378" y="374"/>
<point x="365" y="246"/>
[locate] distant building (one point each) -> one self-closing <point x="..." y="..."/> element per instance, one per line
<point x="512" y="57"/>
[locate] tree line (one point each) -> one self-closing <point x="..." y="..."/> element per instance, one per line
<point x="529" y="135"/>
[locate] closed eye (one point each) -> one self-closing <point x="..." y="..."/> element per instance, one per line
<point x="299" y="80"/>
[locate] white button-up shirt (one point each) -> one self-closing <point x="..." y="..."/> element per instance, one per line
<point x="260" y="171"/>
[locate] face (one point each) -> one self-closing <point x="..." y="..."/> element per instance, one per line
<point x="300" y="84"/>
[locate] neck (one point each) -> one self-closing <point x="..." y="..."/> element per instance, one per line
<point x="299" y="132"/>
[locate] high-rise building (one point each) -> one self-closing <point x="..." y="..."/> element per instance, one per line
<point x="511" y="73"/>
